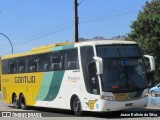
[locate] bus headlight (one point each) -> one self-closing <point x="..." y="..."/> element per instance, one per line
<point x="110" y="98"/>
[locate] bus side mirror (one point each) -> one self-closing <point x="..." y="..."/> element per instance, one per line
<point x="99" y="65"/>
<point x="151" y="61"/>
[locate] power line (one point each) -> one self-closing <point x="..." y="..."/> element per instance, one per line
<point x="80" y="2"/>
<point x="110" y="11"/>
<point x="57" y="28"/>
<point x="66" y="27"/>
<point x="84" y="21"/>
<point x="42" y="36"/>
<point x="102" y="11"/>
<point x="36" y="35"/>
<point x="50" y="33"/>
<point x="23" y="43"/>
<point x="87" y="21"/>
<point x="15" y="6"/>
<point x="102" y="18"/>
<point x="92" y="20"/>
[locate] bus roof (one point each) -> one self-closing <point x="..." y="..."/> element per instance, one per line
<point x="48" y="48"/>
<point x="102" y="42"/>
<point x="38" y="50"/>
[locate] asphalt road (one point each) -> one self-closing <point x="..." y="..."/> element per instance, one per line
<point x="64" y="114"/>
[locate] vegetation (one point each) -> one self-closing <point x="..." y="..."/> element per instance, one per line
<point x="117" y="37"/>
<point x="146" y="31"/>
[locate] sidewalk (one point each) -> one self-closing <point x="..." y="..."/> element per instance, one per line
<point x="154" y="103"/>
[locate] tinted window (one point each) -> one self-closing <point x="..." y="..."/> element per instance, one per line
<point x="32" y="64"/>
<point x="93" y="78"/>
<point x="121" y="75"/>
<point x="21" y="65"/>
<point x="56" y="61"/>
<point x="4" y="66"/>
<point x="117" y="51"/>
<point x="71" y="59"/>
<point x="12" y="66"/>
<point x="87" y="54"/>
<point x="42" y="62"/>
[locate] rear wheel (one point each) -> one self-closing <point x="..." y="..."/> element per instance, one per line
<point x="23" y="102"/>
<point x="76" y="106"/>
<point x="16" y="102"/>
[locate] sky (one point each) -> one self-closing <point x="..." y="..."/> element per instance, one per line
<point x="32" y="23"/>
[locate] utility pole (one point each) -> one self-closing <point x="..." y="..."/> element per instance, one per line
<point x="76" y="21"/>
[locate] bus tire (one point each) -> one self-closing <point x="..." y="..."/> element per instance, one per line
<point x="15" y="101"/>
<point x="76" y="106"/>
<point x="22" y="102"/>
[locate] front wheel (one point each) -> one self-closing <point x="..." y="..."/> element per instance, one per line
<point x="76" y="106"/>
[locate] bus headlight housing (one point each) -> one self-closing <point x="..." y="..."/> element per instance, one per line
<point x="110" y="98"/>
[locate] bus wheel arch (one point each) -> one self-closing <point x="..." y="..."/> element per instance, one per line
<point x="15" y="101"/>
<point x="76" y="105"/>
<point x="22" y="101"/>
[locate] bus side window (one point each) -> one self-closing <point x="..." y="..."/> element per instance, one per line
<point x="12" y="66"/>
<point x="5" y="69"/>
<point x="42" y="62"/>
<point x="56" y="61"/>
<point x="21" y="65"/>
<point x="71" y="59"/>
<point x="31" y="64"/>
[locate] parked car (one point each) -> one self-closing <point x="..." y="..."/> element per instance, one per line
<point x="155" y="91"/>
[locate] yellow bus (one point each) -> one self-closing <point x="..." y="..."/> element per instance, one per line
<point x="98" y="76"/>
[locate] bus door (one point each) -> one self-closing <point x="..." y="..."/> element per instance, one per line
<point x="89" y="70"/>
<point x="93" y="78"/>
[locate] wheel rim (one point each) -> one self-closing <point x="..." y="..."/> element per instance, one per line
<point x="76" y="105"/>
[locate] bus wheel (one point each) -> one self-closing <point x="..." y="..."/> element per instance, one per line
<point x="16" y="102"/>
<point x="76" y="107"/>
<point x="23" y="102"/>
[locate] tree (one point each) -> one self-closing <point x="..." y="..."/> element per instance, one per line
<point x="146" y="32"/>
<point x="82" y="39"/>
<point x="118" y="37"/>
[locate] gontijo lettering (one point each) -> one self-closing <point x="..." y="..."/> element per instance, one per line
<point x="25" y="79"/>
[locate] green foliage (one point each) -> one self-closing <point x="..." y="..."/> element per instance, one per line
<point x="146" y="32"/>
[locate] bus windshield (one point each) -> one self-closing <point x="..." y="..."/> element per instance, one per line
<point x="123" y="70"/>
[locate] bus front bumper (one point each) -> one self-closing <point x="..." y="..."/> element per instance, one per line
<point x="122" y="105"/>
